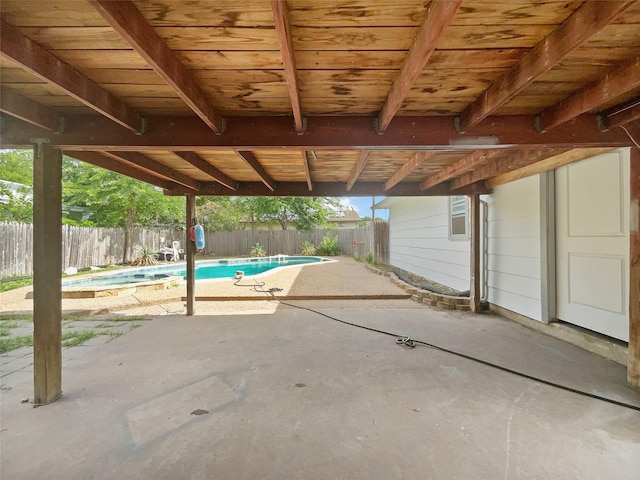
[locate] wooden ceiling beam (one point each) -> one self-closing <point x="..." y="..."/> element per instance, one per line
<point x="251" y="160"/>
<point x="100" y="160"/>
<point x="176" y="133"/>
<point x="589" y="19"/>
<point x="414" y="162"/>
<point x="131" y="25"/>
<point x="551" y="163"/>
<point x="473" y="160"/>
<point x="331" y="189"/>
<point x="439" y="15"/>
<point x="29" y="111"/>
<point x="512" y="161"/>
<point x="283" y="29"/>
<point x="307" y="172"/>
<point x="204" y="166"/>
<point x="142" y="162"/>
<point x="621" y="118"/>
<point x="46" y="66"/>
<point x="612" y="85"/>
<point x="357" y="170"/>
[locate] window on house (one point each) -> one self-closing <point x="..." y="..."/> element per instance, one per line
<point x="458" y="217"/>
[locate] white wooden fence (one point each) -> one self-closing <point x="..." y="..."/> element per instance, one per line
<point x="83" y="247"/>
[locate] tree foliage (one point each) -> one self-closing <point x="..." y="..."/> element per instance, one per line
<point x="235" y="213"/>
<point x="19" y="206"/>
<point x="220" y="213"/>
<point x="16" y="166"/>
<point x="113" y="200"/>
<point x="306" y="213"/>
<point x="108" y="199"/>
<point x="364" y="220"/>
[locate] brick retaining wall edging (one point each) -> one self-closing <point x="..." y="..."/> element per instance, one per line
<point x="439" y="300"/>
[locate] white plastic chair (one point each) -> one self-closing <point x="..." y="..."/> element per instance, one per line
<point x="175" y="245"/>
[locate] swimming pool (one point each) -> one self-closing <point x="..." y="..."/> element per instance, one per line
<point x="205" y="270"/>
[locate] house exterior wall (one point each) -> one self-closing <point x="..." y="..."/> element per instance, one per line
<point x="513" y="234"/>
<point x="419" y="241"/>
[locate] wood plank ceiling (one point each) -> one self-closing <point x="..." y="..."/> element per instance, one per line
<point x="307" y="97"/>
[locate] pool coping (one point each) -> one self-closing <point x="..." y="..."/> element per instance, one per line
<point x="116" y="290"/>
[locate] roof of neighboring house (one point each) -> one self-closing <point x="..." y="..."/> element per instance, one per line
<point x="319" y="98"/>
<point x="345" y="217"/>
<point x="13" y="189"/>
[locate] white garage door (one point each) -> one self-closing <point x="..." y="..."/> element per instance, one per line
<point x="592" y="199"/>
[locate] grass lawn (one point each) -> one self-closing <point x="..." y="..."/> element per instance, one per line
<point x="5" y="286"/>
<point x="111" y="327"/>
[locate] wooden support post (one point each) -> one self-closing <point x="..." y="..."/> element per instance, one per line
<point x="191" y="257"/>
<point x="47" y="273"/>
<point x="474" y="288"/>
<point x="548" y="246"/>
<point x="633" y="359"/>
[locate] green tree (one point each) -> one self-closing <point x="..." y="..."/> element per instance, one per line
<point x="220" y="213"/>
<point x="115" y="200"/>
<point x="305" y="213"/>
<point x="19" y="206"/>
<point x="364" y="220"/>
<point x="16" y="166"/>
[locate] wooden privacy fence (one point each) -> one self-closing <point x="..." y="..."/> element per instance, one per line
<point x="289" y="242"/>
<point x="83" y="247"/>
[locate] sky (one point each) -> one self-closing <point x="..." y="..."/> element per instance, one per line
<point x="363" y="206"/>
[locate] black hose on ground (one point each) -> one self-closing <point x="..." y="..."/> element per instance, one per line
<point x="406" y="341"/>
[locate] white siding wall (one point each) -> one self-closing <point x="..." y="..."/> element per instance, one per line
<point x="419" y="241"/>
<point x="514" y="247"/>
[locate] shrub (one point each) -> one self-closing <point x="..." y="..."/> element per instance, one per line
<point x="329" y="246"/>
<point x="308" y="248"/>
<point x="257" y="250"/>
<point x="7" y="284"/>
<point x="145" y="256"/>
<point x="369" y="258"/>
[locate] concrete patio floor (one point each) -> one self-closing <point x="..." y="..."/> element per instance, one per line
<point x="288" y="393"/>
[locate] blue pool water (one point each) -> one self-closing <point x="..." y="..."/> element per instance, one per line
<point x="205" y="270"/>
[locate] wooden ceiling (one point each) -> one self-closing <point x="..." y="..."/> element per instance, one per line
<point x="309" y="97"/>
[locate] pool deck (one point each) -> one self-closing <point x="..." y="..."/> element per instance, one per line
<point x="343" y="279"/>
